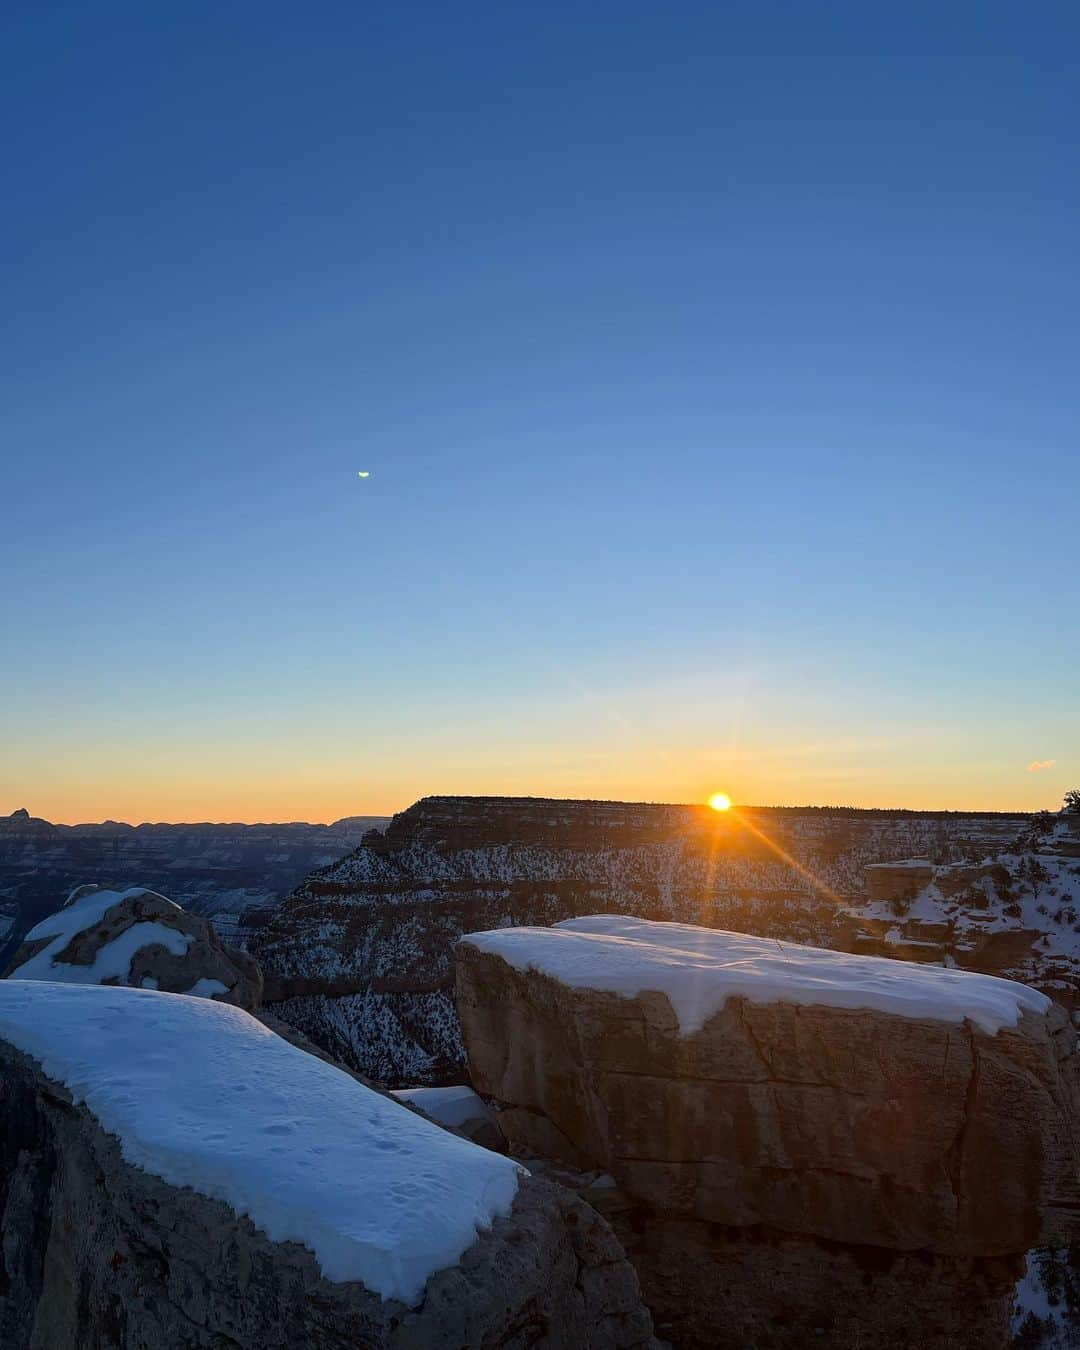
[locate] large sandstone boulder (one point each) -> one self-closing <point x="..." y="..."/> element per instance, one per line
<point x="241" y="1185"/>
<point x="734" y="1086"/>
<point x="135" y="937"/>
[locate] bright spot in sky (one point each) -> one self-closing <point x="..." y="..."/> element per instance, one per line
<point x="363" y="473"/>
<point x="720" y="801"/>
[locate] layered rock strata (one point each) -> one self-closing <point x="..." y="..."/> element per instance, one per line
<point x="359" y="956"/>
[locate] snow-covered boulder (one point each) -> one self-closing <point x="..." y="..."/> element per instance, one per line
<point x="174" y="1173"/>
<point x="734" y="1084"/>
<point x="138" y="938"/>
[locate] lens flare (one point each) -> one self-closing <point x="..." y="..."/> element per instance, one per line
<point x="720" y="801"/>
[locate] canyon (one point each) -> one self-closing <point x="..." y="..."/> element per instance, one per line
<point x="360" y="956"/>
<point x="751" y="1142"/>
<point x="778" y="1135"/>
<point x="213" y="870"/>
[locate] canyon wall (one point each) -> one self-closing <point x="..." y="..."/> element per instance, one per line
<point x="359" y="956"/>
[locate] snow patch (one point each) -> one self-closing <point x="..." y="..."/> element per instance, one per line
<point x="699" y="969"/>
<point x="206" y="988"/>
<point x="451" y="1106"/>
<point x="202" y="1095"/>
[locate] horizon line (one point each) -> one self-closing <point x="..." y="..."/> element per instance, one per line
<point x="845" y="808"/>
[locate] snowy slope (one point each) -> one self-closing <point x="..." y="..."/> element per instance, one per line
<point x="1016" y="913"/>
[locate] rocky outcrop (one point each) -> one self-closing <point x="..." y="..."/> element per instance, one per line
<point x="359" y="956"/>
<point x="213" y="870"/>
<point x="98" y="1253"/>
<point x="792" y="1170"/>
<point x="1014" y="913"/>
<point x="138" y="938"/>
<point x="897" y="882"/>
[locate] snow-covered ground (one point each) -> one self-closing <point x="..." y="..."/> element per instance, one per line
<point x="698" y="969"/>
<point x="201" y="1094"/>
<point x="1044" y="1314"/>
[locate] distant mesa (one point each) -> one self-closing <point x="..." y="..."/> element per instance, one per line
<point x="451" y="865"/>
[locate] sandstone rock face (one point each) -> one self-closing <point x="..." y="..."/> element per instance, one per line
<point x="359" y="956"/>
<point x="99" y="1254"/>
<point x="898" y="881"/>
<point x="800" y="1145"/>
<point x="138" y="938"/>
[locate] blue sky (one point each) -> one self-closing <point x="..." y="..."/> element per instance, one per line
<point x="715" y="367"/>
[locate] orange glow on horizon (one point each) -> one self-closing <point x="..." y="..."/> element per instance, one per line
<point x="720" y="801"/>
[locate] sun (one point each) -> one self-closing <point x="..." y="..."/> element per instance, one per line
<point x="720" y="801"/>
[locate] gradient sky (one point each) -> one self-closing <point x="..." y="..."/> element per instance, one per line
<point x="716" y="368"/>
